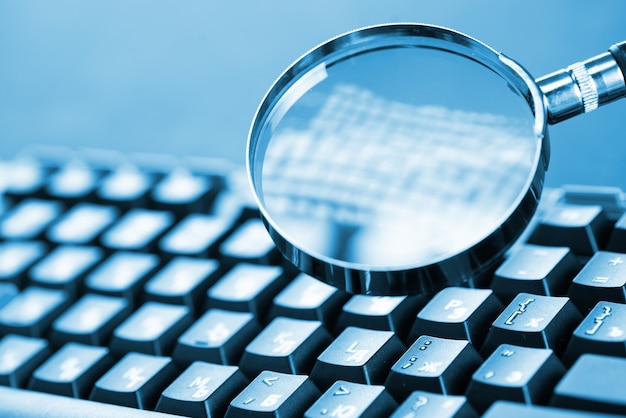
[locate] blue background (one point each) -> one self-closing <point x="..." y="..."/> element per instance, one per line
<point x="185" y="77"/>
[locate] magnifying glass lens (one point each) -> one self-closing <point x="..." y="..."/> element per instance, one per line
<point x="393" y="158"/>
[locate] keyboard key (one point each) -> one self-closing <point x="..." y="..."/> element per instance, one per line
<point x="515" y="373"/>
<point x="71" y="371"/>
<point x="387" y="313"/>
<point x="358" y="355"/>
<point x="29" y="219"/>
<point x="535" y="269"/>
<point x="152" y="329"/>
<point x="82" y="224"/>
<point x="534" y="321"/>
<point x="617" y="242"/>
<point x="125" y="187"/>
<point x="65" y="268"/>
<point x="247" y="288"/>
<point x="181" y="192"/>
<point x="218" y="336"/>
<point x="19" y="356"/>
<point x="422" y="404"/>
<point x="250" y="243"/>
<point x="274" y="394"/>
<point x="72" y="183"/>
<point x="123" y="274"/>
<point x="91" y="320"/>
<point x="603" y="331"/>
<point x="458" y="312"/>
<point x="310" y="299"/>
<point x="26" y="178"/>
<point x="593" y="383"/>
<point x="32" y="311"/>
<point x="202" y="390"/>
<point x="348" y="399"/>
<point x="583" y="228"/>
<point x="603" y="278"/>
<point x="137" y="380"/>
<point x="138" y="230"/>
<point x="433" y="364"/>
<point x="518" y="410"/>
<point x="196" y="235"/>
<point x="17" y="257"/>
<point x="183" y="281"/>
<point x="7" y="292"/>
<point x="286" y="345"/>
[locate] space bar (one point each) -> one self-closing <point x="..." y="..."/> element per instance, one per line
<point x="25" y="403"/>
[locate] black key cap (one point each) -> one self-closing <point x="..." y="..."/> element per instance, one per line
<point x="182" y="192"/>
<point x="29" y="219"/>
<point x="617" y="242"/>
<point x="515" y="373"/>
<point x="535" y="269"/>
<point x="26" y="179"/>
<point x="286" y="345"/>
<point x="71" y="371"/>
<point x="585" y="229"/>
<point x="123" y="274"/>
<point x="458" y="312"/>
<point x="433" y="364"/>
<point x="7" y="292"/>
<point x="348" y="399"/>
<point x="387" y="313"/>
<point x="65" y="268"/>
<point x="125" y="187"/>
<point x="19" y="356"/>
<point x="32" y="311"/>
<point x="534" y="321"/>
<point x="247" y="288"/>
<point x="82" y="224"/>
<point x="249" y="243"/>
<point x="196" y="235"/>
<point x="518" y="410"/>
<point x="24" y="403"/>
<point x="218" y="336"/>
<point x="308" y="298"/>
<point x="74" y="182"/>
<point x="358" y="355"/>
<point x="17" y="257"/>
<point x="183" y="281"/>
<point x="138" y="230"/>
<point x="603" y="278"/>
<point x="274" y="394"/>
<point x="152" y="329"/>
<point x="136" y="380"/>
<point x="91" y="320"/>
<point x="202" y="390"/>
<point x="603" y="331"/>
<point x="422" y="404"/>
<point x="593" y="383"/>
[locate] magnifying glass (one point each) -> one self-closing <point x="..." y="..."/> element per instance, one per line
<point x="404" y="158"/>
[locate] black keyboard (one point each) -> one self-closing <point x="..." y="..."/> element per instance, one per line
<point x="138" y="286"/>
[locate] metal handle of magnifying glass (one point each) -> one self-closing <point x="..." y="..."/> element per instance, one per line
<point x="584" y="86"/>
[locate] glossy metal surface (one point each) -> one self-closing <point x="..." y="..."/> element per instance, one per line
<point x="376" y="169"/>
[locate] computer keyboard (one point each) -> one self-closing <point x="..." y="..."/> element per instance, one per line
<point x="143" y="285"/>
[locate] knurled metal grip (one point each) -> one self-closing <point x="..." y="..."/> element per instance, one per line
<point x="584" y="86"/>
<point x="588" y="89"/>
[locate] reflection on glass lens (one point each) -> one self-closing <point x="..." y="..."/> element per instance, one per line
<point x="396" y="157"/>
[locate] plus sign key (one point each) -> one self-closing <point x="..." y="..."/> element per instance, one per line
<point x="602" y="279"/>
